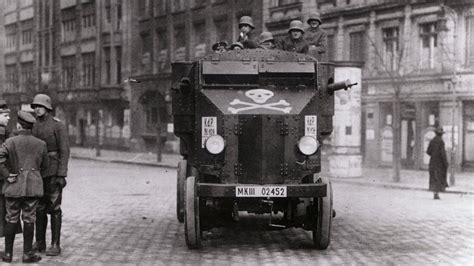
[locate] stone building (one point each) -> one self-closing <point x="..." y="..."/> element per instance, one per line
<point x="425" y="48"/>
<point x="169" y="31"/>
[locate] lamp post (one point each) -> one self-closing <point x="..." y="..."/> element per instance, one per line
<point x="442" y="27"/>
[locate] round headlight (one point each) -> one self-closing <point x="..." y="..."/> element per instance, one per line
<point x="308" y="145"/>
<point x="215" y="144"/>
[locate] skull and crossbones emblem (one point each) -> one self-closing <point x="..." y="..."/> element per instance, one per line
<point x="260" y="97"/>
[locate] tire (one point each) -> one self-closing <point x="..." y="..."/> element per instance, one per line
<point x="322" y="232"/>
<point x="180" y="183"/>
<point x="192" y="226"/>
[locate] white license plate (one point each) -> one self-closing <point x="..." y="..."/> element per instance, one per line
<point x="260" y="191"/>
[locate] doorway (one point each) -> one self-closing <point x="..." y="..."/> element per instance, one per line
<point x="408" y="135"/>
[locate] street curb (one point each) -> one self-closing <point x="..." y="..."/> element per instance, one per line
<point x="334" y="180"/>
<point x="163" y="165"/>
<point x="393" y="186"/>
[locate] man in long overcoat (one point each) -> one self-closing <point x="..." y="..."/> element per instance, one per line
<point x="22" y="160"/>
<point x="53" y="132"/>
<point x="438" y="166"/>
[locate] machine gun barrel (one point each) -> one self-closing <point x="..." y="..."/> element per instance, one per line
<point x="331" y="88"/>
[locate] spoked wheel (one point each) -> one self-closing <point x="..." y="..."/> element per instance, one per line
<point x="182" y="165"/>
<point x="322" y="232"/>
<point x="192" y="226"/>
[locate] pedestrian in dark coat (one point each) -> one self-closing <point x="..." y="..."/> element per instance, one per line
<point x="438" y="166"/>
<point x="294" y="42"/>
<point x="315" y="36"/>
<point x="53" y="132"/>
<point x="22" y="158"/>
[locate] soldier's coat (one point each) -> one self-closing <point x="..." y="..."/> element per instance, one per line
<point x="438" y="166"/>
<point x="55" y="135"/>
<point x="293" y="45"/>
<point x="25" y="156"/>
<point x="316" y="39"/>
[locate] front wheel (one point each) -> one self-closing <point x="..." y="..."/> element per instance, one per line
<point x="192" y="223"/>
<point x="322" y="232"/>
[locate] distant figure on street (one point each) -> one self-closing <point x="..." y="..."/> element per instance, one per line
<point x="294" y="42"/>
<point x="23" y="158"/>
<point x="246" y="37"/>
<point x="438" y="164"/>
<point x="315" y="36"/>
<point x="53" y="132"/>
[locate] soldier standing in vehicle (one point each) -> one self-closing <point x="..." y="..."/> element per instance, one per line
<point x="246" y="36"/>
<point x="53" y="132"/>
<point x="266" y="40"/>
<point x="438" y="166"/>
<point x="315" y="36"/>
<point x="22" y="160"/>
<point x="294" y="42"/>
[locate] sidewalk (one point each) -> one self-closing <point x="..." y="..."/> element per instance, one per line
<point x="377" y="177"/>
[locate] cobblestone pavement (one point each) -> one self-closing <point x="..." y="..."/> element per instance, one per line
<point x="116" y="213"/>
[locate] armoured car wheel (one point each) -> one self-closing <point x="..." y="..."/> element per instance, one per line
<point x="322" y="232"/>
<point x="192" y="226"/>
<point x="180" y="190"/>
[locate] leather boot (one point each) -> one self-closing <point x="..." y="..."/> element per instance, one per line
<point x="28" y="255"/>
<point x="56" y="220"/>
<point x="41" y="225"/>
<point x="10" y="230"/>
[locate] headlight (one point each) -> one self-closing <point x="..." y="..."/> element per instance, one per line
<point x="215" y="144"/>
<point x="308" y="145"/>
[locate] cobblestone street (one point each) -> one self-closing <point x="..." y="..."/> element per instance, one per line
<point x="117" y="213"/>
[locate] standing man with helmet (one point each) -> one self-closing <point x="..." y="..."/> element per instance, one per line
<point x="51" y="131"/>
<point x="315" y="36"/>
<point x="23" y="159"/>
<point x="294" y="42"/>
<point x="246" y="36"/>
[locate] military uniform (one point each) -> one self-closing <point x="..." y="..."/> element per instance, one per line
<point x="293" y="45"/>
<point x="317" y="41"/>
<point x="22" y="160"/>
<point x="4" y="134"/>
<point x="54" y="134"/>
<point x="248" y="40"/>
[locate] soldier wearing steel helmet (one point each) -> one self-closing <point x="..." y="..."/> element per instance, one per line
<point x="266" y="40"/>
<point x="294" y="42"/>
<point x="315" y="36"/>
<point x="54" y="133"/>
<point x="246" y="36"/>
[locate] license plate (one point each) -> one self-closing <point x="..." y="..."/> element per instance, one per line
<point x="260" y="191"/>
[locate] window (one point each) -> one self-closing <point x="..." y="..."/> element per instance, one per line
<point x="88" y="20"/>
<point x="118" y="61"/>
<point x="222" y="30"/>
<point x="428" y="44"/>
<point x="68" y="71"/>
<point x="179" y="36"/>
<point x="108" y="11"/>
<point x="88" y="69"/>
<point x="470" y="41"/>
<point x="276" y="3"/>
<point x="11" y="36"/>
<point x="357" y="46"/>
<point x="119" y="13"/>
<point x="27" y="77"/>
<point x="162" y="56"/>
<point x="11" y="78"/>
<point x="199" y="33"/>
<point x="199" y="3"/>
<point x="160" y="7"/>
<point x="390" y="52"/>
<point x="143" y="8"/>
<point x="107" y="65"/>
<point x="68" y="29"/>
<point x="178" y="5"/>
<point x="26" y="36"/>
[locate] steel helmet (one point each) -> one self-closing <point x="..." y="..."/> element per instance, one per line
<point x="265" y="36"/>
<point x="236" y="44"/>
<point x="246" y="20"/>
<point x="314" y="16"/>
<point x="296" y="25"/>
<point x="42" y="100"/>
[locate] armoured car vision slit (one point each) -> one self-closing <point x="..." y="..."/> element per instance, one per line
<point x="251" y="124"/>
